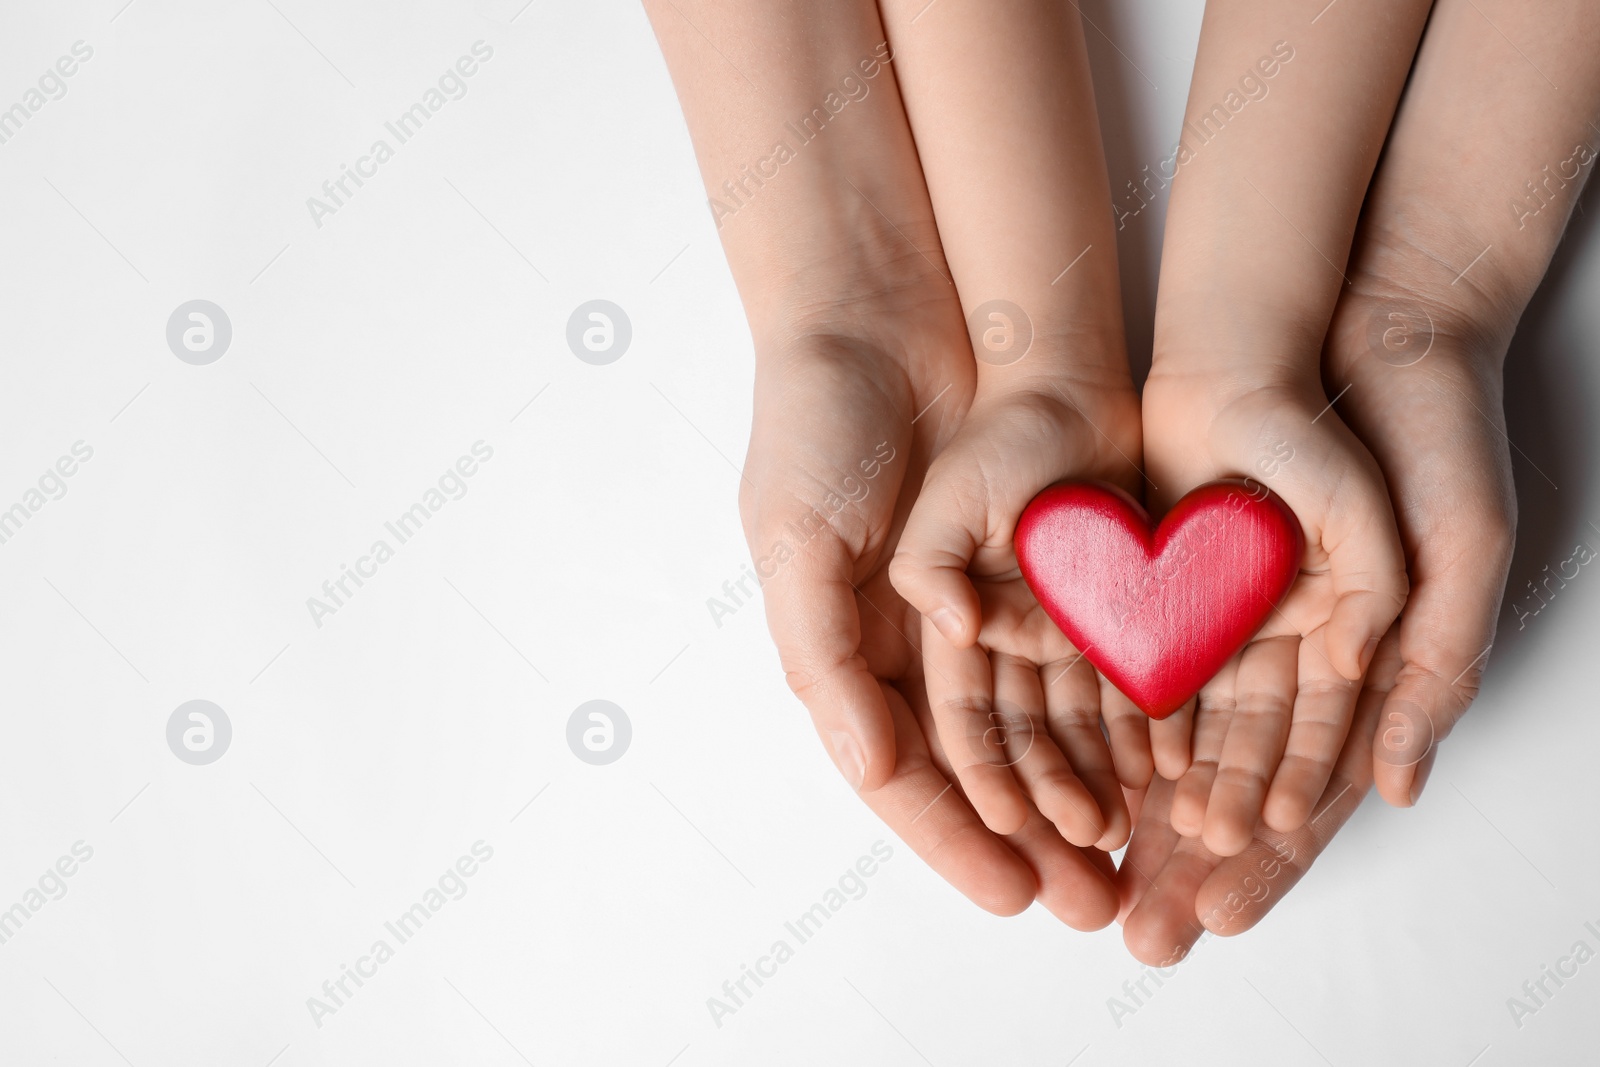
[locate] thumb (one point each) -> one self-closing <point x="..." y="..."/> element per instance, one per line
<point x="814" y="614"/>
<point x="929" y="569"/>
<point x="1367" y="565"/>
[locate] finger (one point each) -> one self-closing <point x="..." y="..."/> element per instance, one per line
<point x="941" y="536"/>
<point x="1129" y="729"/>
<point x="1457" y="507"/>
<point x="1244" y="888"/>
<point x="1162" y="927"/>
<point x="1170" y="741"/>
<point x="961" y="695"/>
<point x="1445" y="636"/>
<point x="1324" y="703"/>
<point x="1043" y="771"/>
<point x="1072" y="707"/>
<point x="1073" y="886"/>
<point x="1197" y="891"/>
<point x="1256" y="736"/>
<point x="1152" y="842"/>
<point x="814" y="614"/>
<point x="1367" y="568"/>
<point x="925" y="810"/>
<point x="1213" y="711"/>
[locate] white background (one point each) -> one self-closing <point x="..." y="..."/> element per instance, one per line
<point x="371" y="752"/>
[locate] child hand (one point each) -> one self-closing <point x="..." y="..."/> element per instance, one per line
<point x="1259" y="223"/>
<point x="1016" y="709"/>
<point x="1269" y="727"/>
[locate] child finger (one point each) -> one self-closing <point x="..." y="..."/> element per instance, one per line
<point x="1129" y="729"/>
<point x="1324" y="704"/>
<point x="929" y="568"/>
<point x="1072" y="708"/>
<point x="961" y="697"/>
<point x="1213" y="711"/>
<point x="1170" y="741"/>
<point x="1043" y="771"/>
<point x="1257" y="733"/>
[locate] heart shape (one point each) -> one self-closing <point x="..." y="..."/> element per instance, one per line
<point x="1159" y="611"/>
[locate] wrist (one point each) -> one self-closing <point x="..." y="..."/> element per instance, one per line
<point x="1236" y="350"/>
<point x="1105" y="404"/>
<point x="1013" y="361"/>
<point x="1221" y="316"/>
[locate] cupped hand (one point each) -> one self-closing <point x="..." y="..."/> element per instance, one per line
<point x="1269" y="728"/>
<point x="1016" y="707"/>
<point x="1440" y="274"/>
<point x="1175" y="890"/>
<point x="1425" y="396"/>
<point x="848" y="417"/>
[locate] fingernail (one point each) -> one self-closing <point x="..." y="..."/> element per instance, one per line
<point x="1367" y="651"/>
<point x="948" y="624"/>
<point x="848" y="755"/>
<point x="1424" y="769"/>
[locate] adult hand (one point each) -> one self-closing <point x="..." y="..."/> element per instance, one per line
<point x="863" y="372"/>
<point x="1174" y="890"/>
<point x="1453" y="242"/>
<point x="1480" y="173"/>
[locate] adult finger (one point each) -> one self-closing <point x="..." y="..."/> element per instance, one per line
<point x="921" y="804"/>
<point x="814" y="614"/>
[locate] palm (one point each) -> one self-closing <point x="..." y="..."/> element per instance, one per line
<point x="849" y="642"/>
<point x="1269" y="727"/>
<point x="1017" y="707"/>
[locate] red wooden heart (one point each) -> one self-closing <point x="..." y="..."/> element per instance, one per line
<point x="1159" y="611"/>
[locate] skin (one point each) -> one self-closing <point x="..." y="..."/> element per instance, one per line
<point x="1476" y="123"/>
<point x="861" y="340"/>
<point x="999" y="98"/>
<point x="1463" y="149"/>
<point x="1260" y="224"/>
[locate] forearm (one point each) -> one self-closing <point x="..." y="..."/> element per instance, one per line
<point x="1000" y="99"/>
<point x="808" y="163"/>
<point x="1285" y="123"/>
<point x="1490" y="151"/>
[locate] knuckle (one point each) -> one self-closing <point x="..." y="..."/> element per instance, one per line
<point x="1326" y="687"/>
<point x="1243" y="778"/>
